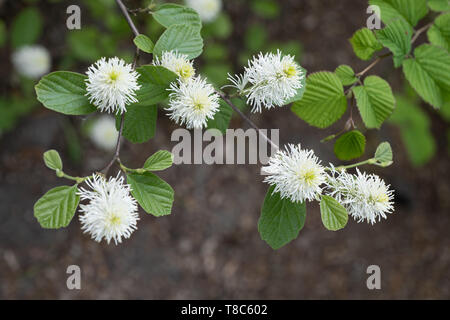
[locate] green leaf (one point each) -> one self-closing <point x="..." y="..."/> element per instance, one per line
<point x="154" y="82"/>
<point x="397" y="37"/>
<point x="255" y="37"/>
<point x="52" y="160"/>
<point x="160" y="160"/>
<point x="220" y="28"/>
<point x="64" y="92"/>
<point x="144" y="43"/>
<point x="153" y="194"/>
<point x="411" y="10"/>
<point x="375" y="101"/>
<point x="281" y="220"/>
<point x="185" y="39"/>
<point x="300" y="92"/>
<point x="57" y="207"/>
<point x="139" y="124"/>
<point x="384" y="153"/>
<point x="334" y="215"/>
<point x="346" y="75"/>
<point x="439" y="33"/>
<point x="365" y="44"/>
<point x="268" y="9"/>
<point x="350" y="145"/>
<point x="324" y="101"/>
<point x="415" y="129"/>
<point x="171" y="14"/>
<point x="26" y="28"/>
<point x="221" y="119"/>
<point x="439" y="5"/>
<point x="429" y="73"/>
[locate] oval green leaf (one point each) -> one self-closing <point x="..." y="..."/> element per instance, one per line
<point x="52" y="160"/>
<point x="160" y="160"/>
<point x="57" y="207"/>
<point x="350" y="145"/>
<point x="334" y="215"/>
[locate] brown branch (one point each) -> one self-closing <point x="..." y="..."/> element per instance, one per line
<point x="420" y="31"/>
<point x="243" y="116"/>
<point x="116" y="156"/>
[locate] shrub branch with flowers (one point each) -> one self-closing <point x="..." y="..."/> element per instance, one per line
<point x="270" y="80"/>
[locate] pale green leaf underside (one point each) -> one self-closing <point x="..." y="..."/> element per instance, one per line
<point x="429" y="73"/>
<point x="153" y="194"/>
<point x="375" y="101"/>
<point x="397" y="37"/>
<point x="160" y="160"/>
<point x="346" y="75"/>
<point x="169" y="14"/>
<point x="182" y="38"/>
<point x="281" y="220"/>
<point x="411" y="10"/>
<point x="324" y="101"/>
<point x="144" y="43"/>
<point x="365" y="44"/>
<point x="334" y="215"/>
<point x="383" y="153"/>
<point x="57" y="207"/>
<point x="52" y="160"/>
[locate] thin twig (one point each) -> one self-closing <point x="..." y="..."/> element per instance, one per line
<point x="117" y="149"/>
<point x="127" y="17"/>
<point x="243" y="116"/>
<point x="136" y="59"/>
<point x="420" y="31"/>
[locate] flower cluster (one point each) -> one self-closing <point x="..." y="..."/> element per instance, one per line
<point x="104" y="133"/>
<point x="112" y="85"/>
<point x="365" y="196"/>
<point x="32" y="61"/>
<point x="273" y="80"/>
<point x="178" y="63"/>
<point x="298" y="176"/>
<point x="207" y="9"/>
<point x="192" y="100"/>
<point x="111" y="213"/>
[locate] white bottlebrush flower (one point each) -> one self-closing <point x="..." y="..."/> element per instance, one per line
<point x="192" y="102"/>
<point x="111" y="213"/>
<point x="176" y="62"/>
<point x="32" y="61"/>
<point x="296" y="174"/>
<point x="273" y="79"/>
<point x="112" y="85"/>
<point x="104" y="133"/>
<point x="206" y="9"/>
<point x="365" y="196"/>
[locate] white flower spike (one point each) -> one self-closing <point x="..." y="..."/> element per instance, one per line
<point x="177" y="63"/>
<point x="296" y="174"/>
<point x="112" y="85"/>
<point x="104" y="133"/>
<point x="111" y="213"/>
<point x="32" y="61"/>
<point x="273" y="80"/>
<point x="192" y="102"/>
<point x="208" y="10"/>
<point x="365" y="196"/>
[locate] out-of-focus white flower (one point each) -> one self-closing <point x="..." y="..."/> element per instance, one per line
<point x="273" y="80"/>
<point x="32" y="61"/>
<point x="112" y="85"/>
<point x="104" y="133"/>
<point x="296" y="174"/>
<point x="176" y="62"/>
<point x="192" y="102"/>
<point x="207" y="9"/>
<point x="111" y="213"/>
<point x="365" y="196"/>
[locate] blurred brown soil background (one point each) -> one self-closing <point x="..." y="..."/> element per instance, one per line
<point x="209" y="248"/>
